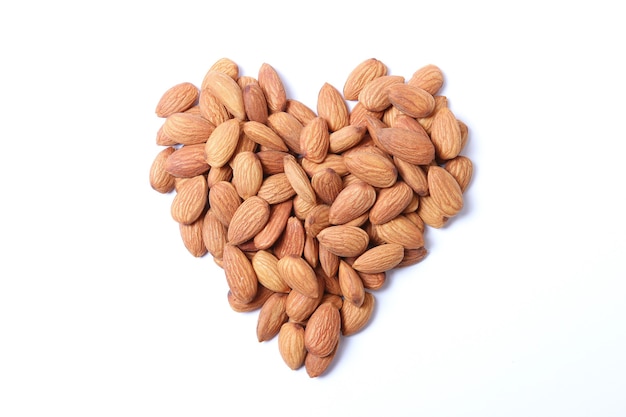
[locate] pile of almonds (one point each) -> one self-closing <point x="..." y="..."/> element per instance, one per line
<point x="306" y="210"/>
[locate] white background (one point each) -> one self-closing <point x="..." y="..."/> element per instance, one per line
<point x="518" y="310"/>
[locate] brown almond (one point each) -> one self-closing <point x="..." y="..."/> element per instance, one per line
<point x="177" y="99"/>
<point x="430" y="212"/>
<point x="402" y="231"/>
<point x="373" y="281"/>
<point x="191" y="235"/>
<point x="256" y="303"/>
<point x="412" y="146"/>
<point x="250" y="218"/>
<point x="391" y="202"/>
<point x="254" y="103"/>
<point x="276" y="189"/>
<point x="190" y="200"/>
<point x="264" y="136"/>
<point x="273" y="88"/>
<point x="327" y="184"/>
<point x="162" y="139"/>
<point x="317" y="220"/>
<point x="298" y="179"/>
<point x="299" y="275"/>
<point x="288" y="128"/>
<point x="272" y="161"/>
<point x="445" y="191"/>
<point x="221" y="145"/>
<point x="161" y="180"/>
<point x="315" y="140"/>
<point x="187" y="129"/>
<point x="428" y="77"/>
<point x="212" y="109"/>
<point x="227" y="91"/>
<point x="412" y="257"/>
<point x="240" y="275"/>
<point x="217" y="174"/>
<point x="413" y="175"/>
<point x="374" y="96"/>
<point x="187" y="161"/>
<point x="265" y="265"/>
<point x="311" y="250"/>
<point x="353" y="201"/>
<point x="445" y="134"/>
<point x="214" y="234"/>
<point x="291" y="344"/>
<point x="300" y="111"/>
<point x="332" y="107"/>
<point x="351" y="284"/>
<point x="300" y="307"/>
<point x="226" y="66"/>
<point x="353" y="318"/>
<point x="292" y="240"/>
<point x="271" y="317"/>
<point x="279" y="215"/>
<point x="316" y="365"/>
<point x="462" y="169"/>
<point x="302" y="208"/>
<point x="411" y="100"/>
<point x="363" y="73"/>
<point x="344" y="240"/>
<point x="379" y="259"/>
<point x="371" y="165"/>
<point x="247" y="174"/>
<point x="345" y="138"/>
<point x="323" y="330"/>
<point x="360" y="113"/>
<point x="332" y="161"/>
<point x="224" y="201"/>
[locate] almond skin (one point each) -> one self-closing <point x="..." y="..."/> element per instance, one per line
<point x="332" y="107"/>
<point x="351" y="284"/>
<point x="191" y="235"/>
<point x="413" y="175"/>
<point x="265" y="265"/>
<point x="279" y="215"/>
<point x="264" y="136"/>
<point x="227" y="91"/>
<point x="298" y="179"/>
<point x="273" y="88"/>
<point x="187" y="129"/>
<point x="288" y="128"/>
<point x="353" y="201"/>
<point x="212" y="109"/>
<point x="402" y="231"/>
<point x="445" y="134"/>
<point x="187" y="161"/>
<point x="247" y="174"/>
<point x="391" y="202"/>
<point x="291" y="345"/>
<point x="300" y="307"/>
<point x="256" y="303"/>
<point x="462" y="169"/>
<point x="445" y="191"/>
<point x="240" y="275"/>
<point x="272" y="316"/>
<point x="248" y="219"/>
<point x="374" y="95"/>
<point x="299" y="275"/>
<point x="292" y="240"/>
<point x="161" y="180"/>
<point x="411" y="100"/>
<point x="300" y="111"/>
<point x="372" y="166"/>
<point x="213" y="234"/>
<point x="323" y="330"/>
<point x="353" y="318"/>
<point x="431" y="214"/>
<point x="177" y="99"/>
<point x="344" y="240"/>
<point x="316" y="365"/>
<point x="412" y="146"/>
<point x="327" y="185"/>
<point x="255" y="103"/>
<point x="315" y="140"/>
<point x="190" y="200"/>
<point x="224" y="201"/>
<point x="379" y="259"/>
<point x="363" y="73"/>
<point x="221" y="145"/>
<point x="276" y="189"/>
<point x="429" y="78"/>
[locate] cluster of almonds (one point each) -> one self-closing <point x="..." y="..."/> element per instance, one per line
<point x="305" y="210"/>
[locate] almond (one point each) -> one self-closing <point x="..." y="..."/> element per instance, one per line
<point x="299" y="275"/>
<point x="353" y="201"/>
<point x="276" y="189"/>
<point x="412" y="257"/>
<point x="411" y="100"/>
<point x="413" y="175"/>
<point x="345" y="138"/>
<point x="300" y="307"/>
<point x="291" y="344"/>
<point x="445" y="191"/>
<point x="247" y="174"/>
<point x="317" y="220"/>
<point x="372" y="166"/>
<point x="224" y="201"/>
<point x="311" y="250"/>
<point x="187" y="161"/>
<point x="214" y="234"/>
<point x="461" y="168"/>
<point x="279" y="215"/>
<point x="292" y="240"/>
<point x="226" y="66"/>
<point x="272" y="161"/>
<point x="323" y="330"/>
<point x="391" y="202"/>
<point x="373" y="281"/>
<point x="212" y="109"/>
<point x="222" y="143"/>
<point x="363" y="73"/>
<point x="187" y="129"/>
<point x="298" y="179"/>
<point x="429" y="78"/>
<point x="315" y="140"/>
<point x="300" y="111"/>
<point x="227" y="91"/>
<point x="316" y="365"/>
<point x="402" y="231"/>
<point x="161" y="180"/>
<point x="265" y="265"/>
<point x="350" y="283"/>
<point x="191" y="235"/>
<point x="344" y="240"/>
<point x="327" y="184"/>
<point x="272" y="316"/>
<point x="177" y="99"/>
<point x="445" y="134"/>
<point x="250" y="218"/>
<point x="217" y="174"/>
<point x="374" y="95"/>
<point x="288" y="128"/>
<point x="412" y="146"/>
<point x="332" y="107"/>
<point x="264" y="136"/>
<point x="379" y="259"/>
<point x="240" y="275"/>
<point x="255" y="103"/>
<point x="332" y="161"/>
<point x="273" y="88"/>
<point x="430" y="212"/>
<point x="353" y="318"/>
<point x="190" y="200"/>
<point x="256" y="303"/>
<point x="360" y="113"/>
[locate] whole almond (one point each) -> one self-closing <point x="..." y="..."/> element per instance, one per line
<point x="162" y="139"/>
<point x="353" y="318"/>
<point x="190" y="200"/>
<point x="273" y="88"/>
<point x="271" y="317"/>
<point x="292" y="240"/>
<point x="344" y="240"/>
<point x="300" y="307"/>
<point x="301" y="207"/>
<point x="187" y="161"/>
<point x="391" y="202"/>
<point x="247" y="174"/>
<point x="191" y="235"/>
<point x="276" y="189"/>
<point x="217" y="174"/>
<point x="327" y="184"/>
<point x="323" y="330"/>
<point x="374" y="96"/>
<point x="288" y="128"/>
<point x="240" y="275"/>
<point x="265" y="266"/>
<point x="411" y="100"/>
<point x="279" y="215"/>
<point x="412" y="257"/>
<point x="379" y="259"/>
<point x="315" y="140"/>
<point x="317" y="220"/>
<point x="329" y="262"/>
<point x="255" y="103"/>
<point x="291" y="344"/>
<point x="226" y="66"/>
<point x="332" y="161"/>
<point x="227" y="91"/>
<point x="311" y="250"/>
<point x="351" y="284"/>
<point x="256" y="303"/>
<point x="345" y="138"/>
<point x="212" y="109"/>
<point x="264" y="136"/>
<point x="299" y="275"/>
<point x="372" y="166"/>
<point x="373" y="281"/>
<point x="272" y="161"/>
<point x="298" y="179"/>
<point x="332" y="107"/>
<point x="316" y="365"/>
<point x="445" y="134"/>
<point x="412" y="146"/>
<point x="363" y="73"/>
<point x="445" y="190"/>
<point x="428" y="77"/>
<point x="402" y="231"/>
<point x="360" y="113"/>
<point x="430" y="212"/>
<point x="353" y="201"/>
<point x="250" y="218"/>
<point x="224" y="201"/>
<point x="187" y="129"/>
<point x="222" y="143"/>
<point x="161" y="180"/>
<point x="462" y="169"/>
<point x="177" y="99"/>
<point x="413" y="175"/>
<point x="300" y="111"/>
<point x="214" y="234"/>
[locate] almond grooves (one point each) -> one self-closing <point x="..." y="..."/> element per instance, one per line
<point x="307" y="210"/>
